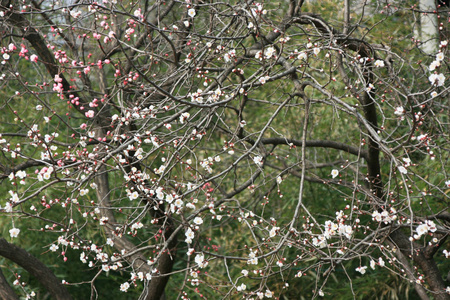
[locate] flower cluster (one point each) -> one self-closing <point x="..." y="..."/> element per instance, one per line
<point x="435" y="78"/>
<point x="332" y="229"/>
<point x="424" y="228"/>
<point x="385" y="216"/>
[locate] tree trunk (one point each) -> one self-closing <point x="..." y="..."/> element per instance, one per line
<point x="428" y="26"/>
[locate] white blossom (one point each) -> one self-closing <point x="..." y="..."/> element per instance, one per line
<point x="379" y="63"/>
<point x="334" y="173"/>
<point x="191" y="12"/>
<point x="402" y="170"/>
<point x="14" y="232"/>
<point x="437" y="79"/>
<point x="124" y="287"/>
<point x="258" y="160"/>
<point x="361" y="270"/>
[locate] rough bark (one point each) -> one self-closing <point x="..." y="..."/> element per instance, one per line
<point x="425" y="262"/>
<point x="36" y="268"/>
<point x="157" y="285"/>
<point x="6" y="291"/>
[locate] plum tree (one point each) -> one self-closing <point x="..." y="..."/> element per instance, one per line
<point x="225" y="149"/>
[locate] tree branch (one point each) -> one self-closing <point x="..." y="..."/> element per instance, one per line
<point x="36" y="268"/>
<point x="317" y="144"/>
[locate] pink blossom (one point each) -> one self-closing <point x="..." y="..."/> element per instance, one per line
<point x="89" y="114"/>
<point x="57" y="78"/>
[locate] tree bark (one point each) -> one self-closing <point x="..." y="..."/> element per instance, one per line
<point x="428" y="26"/>
<point x="6" y="291"/>
<point x="36" y="268"/>
<point x="425" y="262"/>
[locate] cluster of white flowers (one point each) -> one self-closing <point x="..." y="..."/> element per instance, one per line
<point x="141" y="276"/>
<point x="436" y="63"/>
<point x="407" y="161"/>
<point x="374" y="263"/>
<point x="213" y="96"/>
<point x="34" y="133"/>
<point x="184" y="117"/>
<point x="399" y="111"/>
<point x="159" y="193"/>
<point x="62" y="241"/>
<point x="136" y="226"/>
<point x="75" y="14"/>
<point x="153" y="140"/>
<point x="385" y="216"/>
<point x="196" y="97"/>
<point x="258" y="10"/>
<point x="273" y="232"/>
<point x="319" y="241"/>
<point x="189" y="236"/>
<point x="124" y="287"/>
<point x="108" y="263"/>
<point x="427" y="226"/>
<point x="14" y="197"/>
<point x="402" y="170"/>
<point x="103" y="257"/>
<point x="160" y="170"/>
<point x="206" y="164"/>
<point x="134" y="113"/>
<point x="332" y="229"/>
<point x="258" y="160"/>
<point x="229" y="55"/>
<point x="19" y="174"/>
<point x="435" y="78"/>
<point x="269" y="52"/>
<point x="302" y="55"/>
<point x="194" y="278"/>
<point x="253" y="260"/>
<point x="200" y="260"/>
